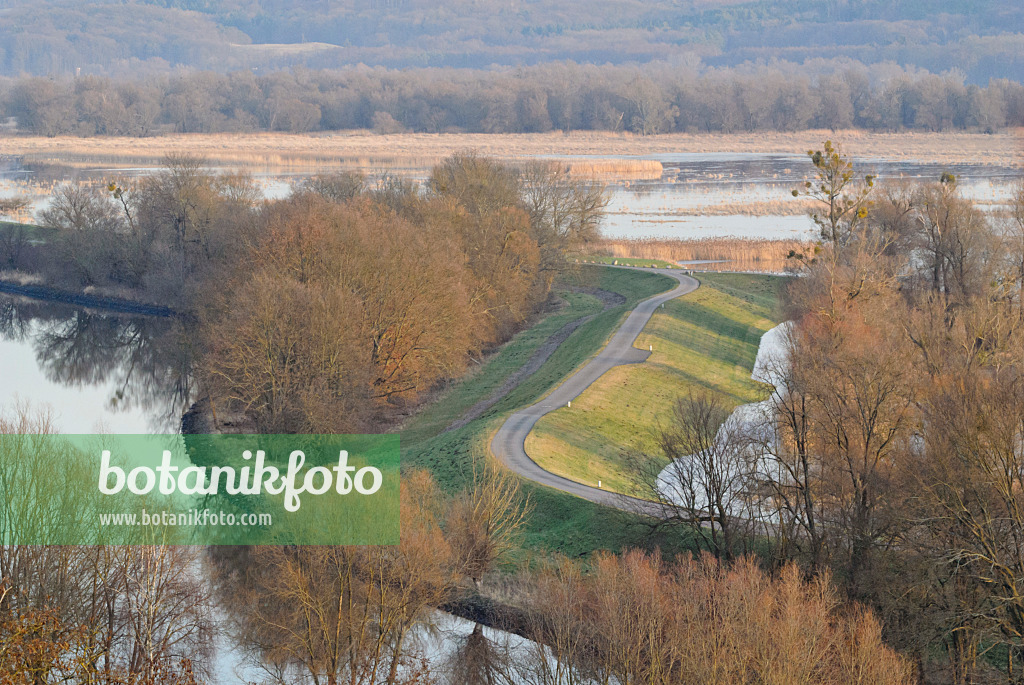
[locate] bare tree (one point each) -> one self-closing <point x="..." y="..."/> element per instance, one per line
<point x="955" y="240"/>
<point x="706" y="485"/>
<point x="343" y="614"/>
<point x="1016" y="242"/>
<point x="971" y="504"/>
<point x="485" y="522"/>
<point x="340" y="187"/>
<point x="640" y="620"/>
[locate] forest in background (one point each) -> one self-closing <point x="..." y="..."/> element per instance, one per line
<point x="657" y="98"/>
<point x="981" y="37"/>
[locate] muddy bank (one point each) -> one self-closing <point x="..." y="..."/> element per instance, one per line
<point x="111" y="304"/>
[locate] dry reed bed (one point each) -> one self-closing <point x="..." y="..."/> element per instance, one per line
<point x="735" y="254"/>
<point x="251" y="161"/>
<point x="332" y="148"/>
<point x="633" y="169"/>
<point x="790" y="207"/>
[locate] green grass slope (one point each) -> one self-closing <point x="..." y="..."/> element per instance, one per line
<point x="705" y="340"/>
<point x="559" y="522"/>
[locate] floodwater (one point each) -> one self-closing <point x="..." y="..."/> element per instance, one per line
<point x="758" y="189"/>
<point x="94" y="372"/>
<point x="751" y="193"/>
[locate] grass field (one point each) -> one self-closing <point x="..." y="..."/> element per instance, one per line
<point x="707" y="339"/>
<point x="729" y="254"/>
<point x="560" y="522"/>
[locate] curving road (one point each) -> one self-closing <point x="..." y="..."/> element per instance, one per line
<point x="509" y="443"/>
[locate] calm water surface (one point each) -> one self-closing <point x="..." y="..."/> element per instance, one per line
<point x="668" y="207"/>
<point x="93" y="371"/>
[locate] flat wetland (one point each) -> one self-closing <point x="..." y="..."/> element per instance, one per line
<point x="675" y="186"/>
<point x="417" y="150"/>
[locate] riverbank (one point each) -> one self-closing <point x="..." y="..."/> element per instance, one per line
<point x="48" y="293"/>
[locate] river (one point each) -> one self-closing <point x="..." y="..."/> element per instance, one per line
<point x="95" y="372"/>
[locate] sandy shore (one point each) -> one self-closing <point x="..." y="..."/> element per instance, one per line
<point x="414" y="150"/>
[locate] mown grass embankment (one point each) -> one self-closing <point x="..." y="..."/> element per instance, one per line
<point x="559" y="522"/>
<point x="705" y="340"/>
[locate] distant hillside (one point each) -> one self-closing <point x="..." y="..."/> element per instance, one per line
<point x="982" y="38"/>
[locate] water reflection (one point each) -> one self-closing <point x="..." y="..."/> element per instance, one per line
<point x="477" y="658"/>
<point x="708" y="195"/>
<point x="127" y="374"/>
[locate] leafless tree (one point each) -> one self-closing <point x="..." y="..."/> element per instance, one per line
<point x="706" y="485"/>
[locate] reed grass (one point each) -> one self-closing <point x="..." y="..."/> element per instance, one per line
<point x="333" y="148"/>
<point x="633" y="169"/>
<point x="783" y="207"/>
<point x="730" y="254"/>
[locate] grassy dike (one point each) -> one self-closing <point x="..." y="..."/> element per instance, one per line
<point x="559" y="521"/>
<point x="705" y="340"/>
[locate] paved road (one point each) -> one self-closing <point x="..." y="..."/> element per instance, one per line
<point x="509" y="445"/>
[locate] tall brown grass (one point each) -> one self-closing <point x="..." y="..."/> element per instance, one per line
<point x="946" y="148"/>
<point x="648" y="169"/>
<point x="316" y="160"/>
<point x="732" y="254"/>
<point x="300" y="161"/>
<point x="782" y="207"/>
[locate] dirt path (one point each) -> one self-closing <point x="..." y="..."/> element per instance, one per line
<point x="608" y="299"/>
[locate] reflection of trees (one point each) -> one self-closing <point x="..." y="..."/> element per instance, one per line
<point x="15" y="319"/>
<point x="148" y="360"/>
<point x="478" y="659"/>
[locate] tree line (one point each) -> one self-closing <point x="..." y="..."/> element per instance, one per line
<point x="885" y="473"/>
<point x="330" y="311"/>
<point x="657" y="98"/>
<point x="888" y="452"/>
<point x="340" y="306"/>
